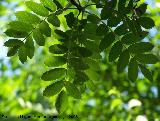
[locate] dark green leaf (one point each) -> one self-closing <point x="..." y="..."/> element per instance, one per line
<point x="140" y="47"/>
<point x="29" y="44"/>
<point x="53" y="74"/>
<point x="146" y="22"/>
<point x="38" y="37"/>
<point x="70" y="19"/>
<point x="61" y="102"/>
<point x="37" y="8"/>
<point x="141" y="9"/>
<point x="12" y="51"/>
<point x="22" y="53"/>
<point x="115" y="51"/>
<point x="53" y="19"/>
<point x="133" y="70"/>
<point x="107" y="41"/>
<point x="13" y="42"/>
<point x="55" y="61"/>
<point x="146" y="72"/>
<point x="59" y="6"/>
<point x="61" y="33"/>
<point x="15" y="33"/>
<point x="72" y="90"/>
<point x="53" y="89"/>
<point x="123" y="61"/>
<point x="147" y="58"/>
<point x="78" y="64"/>
<point x="93" y="18"/>
<point x="102" y="30"/>
<point x="80" y="78"/>
<point x="84" y="51"/>
<point x="121" y="30"/>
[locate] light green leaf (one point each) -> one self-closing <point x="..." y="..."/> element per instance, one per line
<point x="72" y="90"/>
<point x="38" y="37"/>
<point x="49" y="4"/>
<point x="37" y="8"/>
<point x="53" y="19"/>
<point x="147" y="58"/>
<point x="13" y="42"/>
<point x="27" y="17"/>
<point x="115" y="51"/>
<point x="53" y="74"/>
<point x="22" y="53"/>
<point x="146" y="72"/>
<point x="140" y="47"/>
<point x="133" y="69"/>
<point x="45" y="29"/>
<point x="55" y="61"/>
<point x="123" y="61"/>
<point x="57" y="49"/>
<point x="61" y="102"/>
<point x="53" y="89"/>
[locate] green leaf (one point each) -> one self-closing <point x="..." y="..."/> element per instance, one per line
<point x="102" y="30"/>
<point x="13" y="42"/>
<point x="130" y="38"/>
<point x="61" y="102"/>
<point x="141" y="9"/>
<point x="15" y="33"/>
<point x="113" y="21"/>
<point x="121" y="30"/>
<point x="57" y="49"/>
<point x="61" y="33"/>
<point x="55" y="61"/>
<point x="133" y="69"/>
<point x="78" y="64"/>
<point x="59" y="6"/>
<point x="53" y="89"/>
<point x="53" y="19"/>
<point x="147" y="58"/>
<point x="12" y="51"/>
<point x="107" y="41"/>
<point x="121" y="5"/>
<point x="146" y="22"/>
<point x="70" y="19"/>
<point x="140" y="47"/>
<point x="146" y="72"/>
<point x="38" y="37"/>
<point x="49" y="4"/>
<point x="20" y="26"/>
<point x="72" y="90"/>
<point x="115" y="51"/>
<point x="93" y="64"/>
<point x="91" y="85"/>
<point x="93" y="18"/>
<point x="53" y="74"/>
<point x="29" y="44"/>
<point x="45" y="29"/>
<point x="80" y="78"/>
<point x="37" y="8"/>
<point x="27" y="17"/>
<point x="22" y="53"/>
<point x="123" y="61"/>
<point x="84" y="51"/>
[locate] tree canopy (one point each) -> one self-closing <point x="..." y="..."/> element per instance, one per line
<point x="98" y="59"/>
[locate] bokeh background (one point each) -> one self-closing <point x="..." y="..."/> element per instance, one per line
<point x="113" y="98"/>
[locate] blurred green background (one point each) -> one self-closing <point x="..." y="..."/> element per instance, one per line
<point x="114" y="97"/>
